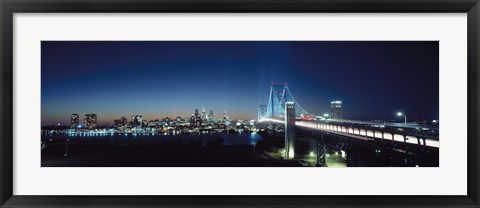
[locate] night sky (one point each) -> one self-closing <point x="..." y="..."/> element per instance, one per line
<point x="157" y="79"/>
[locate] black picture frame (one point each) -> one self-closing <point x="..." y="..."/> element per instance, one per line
<point x="9" y="7"/>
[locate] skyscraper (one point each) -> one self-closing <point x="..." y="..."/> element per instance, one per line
<point x="124" y="120"/>
<point x="211" y="117"/>
<point x="204" y="115"/>
<point x="336" y="111"/>
<point x="120" y="123"/>
<point x="90" y="121"/>
<point x="74" y="120"/>
<point x="193" y="121"/>
<point x="226" y="120"/>
<point x="137" y="121"/>
<point x="196" y="119"/>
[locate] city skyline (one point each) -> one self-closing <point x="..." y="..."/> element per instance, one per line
<point x="81" y="117"/>
<point x="159" y="79"/>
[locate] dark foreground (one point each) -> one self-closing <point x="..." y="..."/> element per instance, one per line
<point x="149" y="153"/>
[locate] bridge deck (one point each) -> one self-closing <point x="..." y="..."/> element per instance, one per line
<point x="344" y="128"/>
<point x="387" y="124"/>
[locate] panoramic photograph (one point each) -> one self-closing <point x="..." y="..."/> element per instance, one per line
<point x="240" y="104"/>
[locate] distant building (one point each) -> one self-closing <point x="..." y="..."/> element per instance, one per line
<point x="137" y="121"/>
<point x="193" y="121"/>
<point x="121" y="123"/>
<point x="336" y="111"/>
<point x="196" y="119"/>
<point x="153" y="123"/>
<point x="91" y="121"/>
<point x="204" y="115"/>
<point x="226" y="120"/>
<point x="74" y="121"/>
<point x="211" y="117"/>
<point x="168" y="121"/>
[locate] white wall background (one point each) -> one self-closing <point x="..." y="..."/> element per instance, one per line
<point x="449" y="178"/>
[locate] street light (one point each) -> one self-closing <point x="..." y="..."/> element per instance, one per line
<point x="401" y="114"/>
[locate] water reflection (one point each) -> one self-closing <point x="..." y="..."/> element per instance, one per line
<point x="229" y="139"/>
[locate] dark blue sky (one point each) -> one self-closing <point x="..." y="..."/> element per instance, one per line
<point x="169" y="78"/>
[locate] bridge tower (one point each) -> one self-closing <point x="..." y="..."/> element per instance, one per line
<point x="321" y="150"/>
<point x="289" y="130"/>
<point x="262" y="112"/>
<point x="279" y="96"/>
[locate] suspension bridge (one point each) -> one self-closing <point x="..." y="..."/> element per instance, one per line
<point x="411" y="141"/>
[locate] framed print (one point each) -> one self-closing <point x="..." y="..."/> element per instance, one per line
<point x="247" y="104"/>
